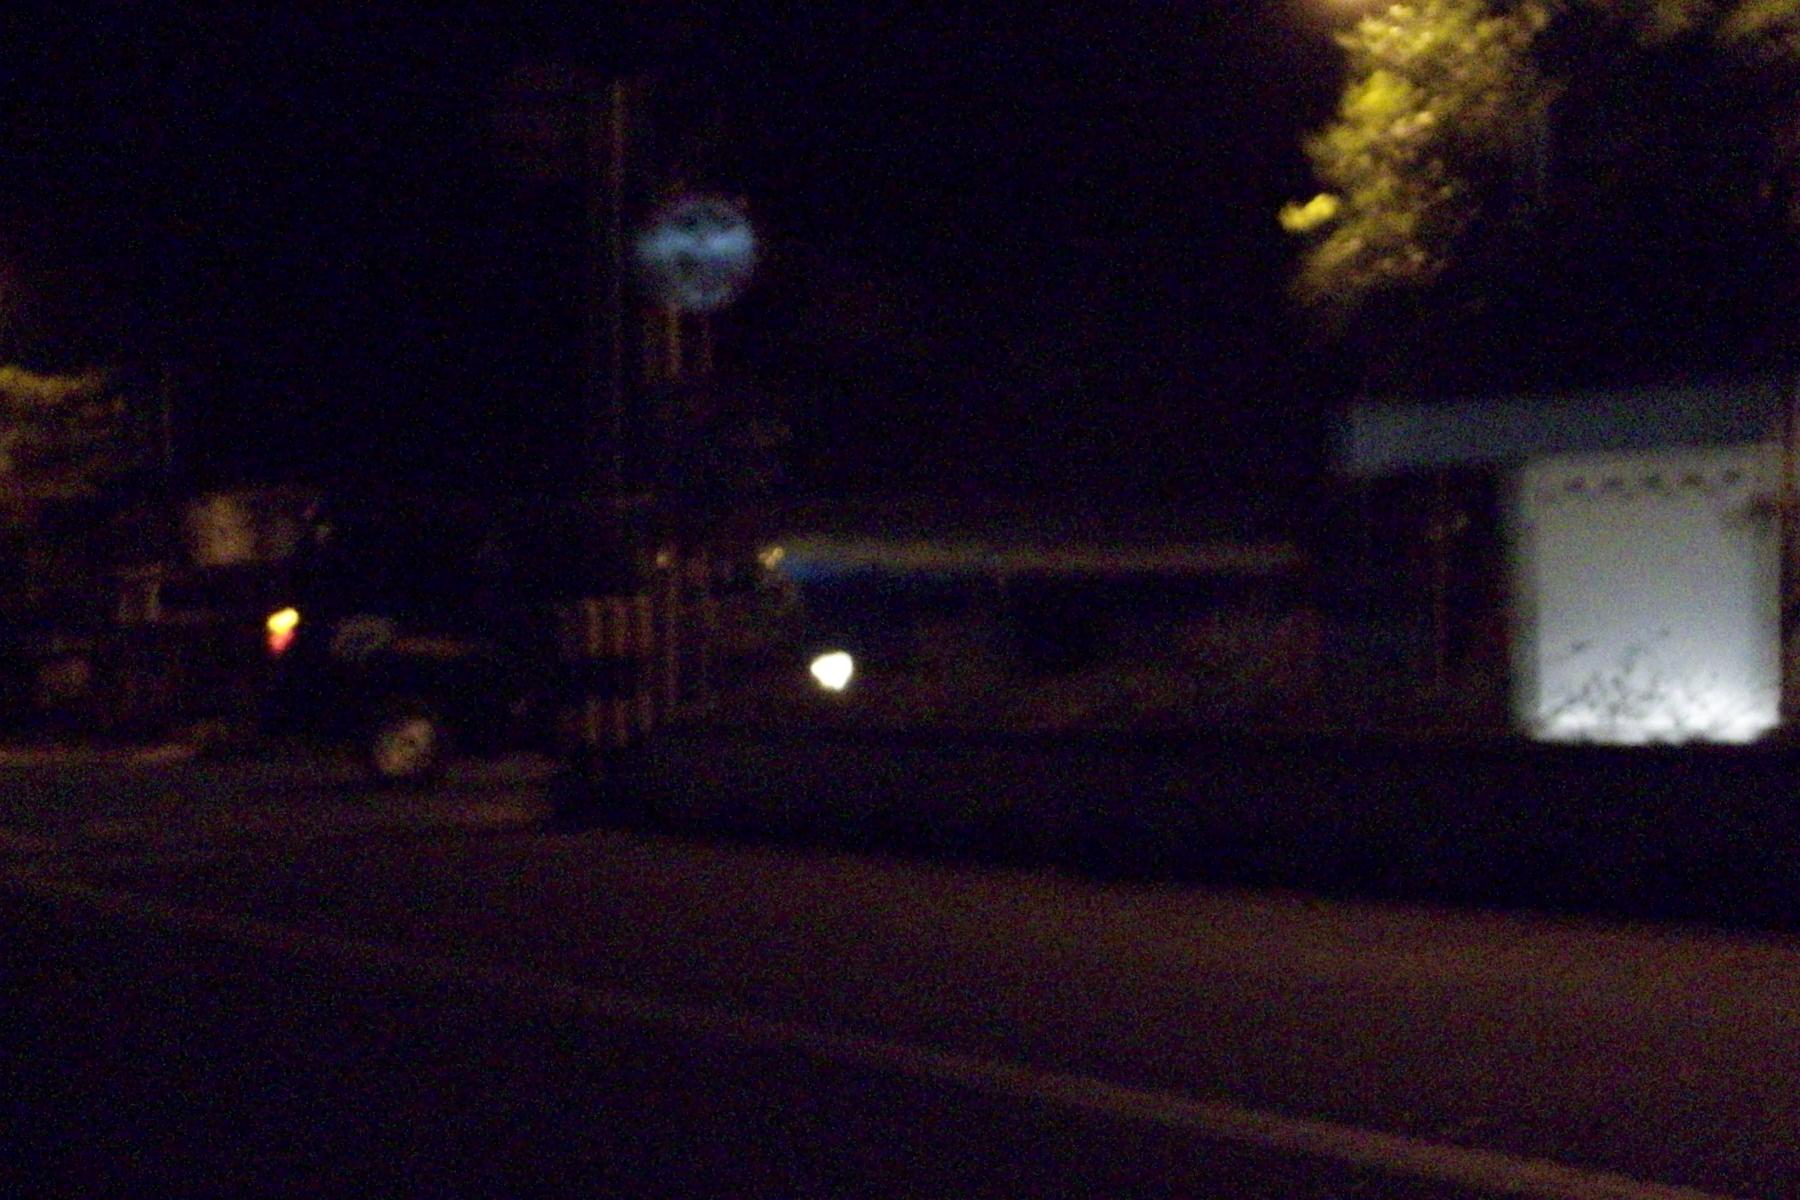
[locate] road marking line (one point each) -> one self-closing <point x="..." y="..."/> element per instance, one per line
<point x="161" y="754"/>
<point x="17" y="841"/>
<point x="1394" y="1154"/>
<point x="239" y="826"/>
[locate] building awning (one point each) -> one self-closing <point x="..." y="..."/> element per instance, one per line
<point x="813" y="555"/>
<point x="1375" y="438"/>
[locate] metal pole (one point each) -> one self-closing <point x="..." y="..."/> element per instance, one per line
<point x="615" y="237"/>
<point x="604" y="623"/>
<point x="168" y="422"/>
<point x="1440" y="585"/>
<point x="1787" y="514"/>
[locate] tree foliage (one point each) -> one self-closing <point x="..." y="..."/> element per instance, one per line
<point x="1429" y="111"/>
<point x="1556" y="164"/>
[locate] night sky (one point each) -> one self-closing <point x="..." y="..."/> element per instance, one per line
<point x="1028" y="248"/>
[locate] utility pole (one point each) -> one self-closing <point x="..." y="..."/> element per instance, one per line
<point x="166" y="404"/>
<point x="606" y="120"/>
<point x="618" y="114"/>
<point x="1787" y="509"/>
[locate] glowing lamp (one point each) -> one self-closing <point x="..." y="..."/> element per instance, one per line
<point x="832" y="671"/>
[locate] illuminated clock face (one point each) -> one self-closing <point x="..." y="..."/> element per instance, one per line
<point x="698" y="253"/>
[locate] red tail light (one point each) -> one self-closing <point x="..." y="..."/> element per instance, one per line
<point x="280" y="629"/>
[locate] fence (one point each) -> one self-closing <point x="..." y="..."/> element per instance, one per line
<point x="639" y="659"/>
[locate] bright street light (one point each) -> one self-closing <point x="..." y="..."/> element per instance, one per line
<point x="833" y="670"/>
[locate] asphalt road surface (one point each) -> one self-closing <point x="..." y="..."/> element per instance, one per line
<point x="260" y="978"/>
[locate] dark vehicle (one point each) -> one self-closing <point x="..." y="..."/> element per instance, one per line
<point x="422" y="627"/>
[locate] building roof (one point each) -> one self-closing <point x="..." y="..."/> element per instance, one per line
<point x="1375" y="438"/>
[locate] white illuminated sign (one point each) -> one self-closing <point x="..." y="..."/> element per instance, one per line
<point x="1652" y="585"/>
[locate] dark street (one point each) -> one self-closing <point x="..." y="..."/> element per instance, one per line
<point x="458" y="1004"/>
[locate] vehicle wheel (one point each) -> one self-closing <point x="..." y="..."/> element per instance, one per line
<point x="407" y="742"/>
